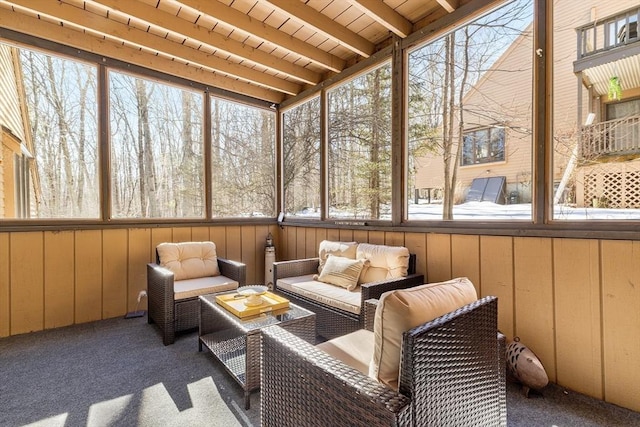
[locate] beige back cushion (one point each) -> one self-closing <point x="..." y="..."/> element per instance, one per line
<point x="385" y="262"/>
<point x="404" y="309"/>
<point x="342" y="249"/>
<point x="189" y="260"/>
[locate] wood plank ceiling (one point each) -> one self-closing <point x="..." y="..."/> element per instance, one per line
<point x="265" y="49"/>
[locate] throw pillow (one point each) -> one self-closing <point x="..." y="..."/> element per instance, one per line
<point x="403" y="309"/>
<point x="341" y="271"/>
<point x="343" y="249"/>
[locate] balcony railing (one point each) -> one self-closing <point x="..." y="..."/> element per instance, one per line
<point x="609" y="33"/>
<point x="614" y="137"/>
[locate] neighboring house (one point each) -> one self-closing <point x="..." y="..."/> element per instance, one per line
<point x="15" y="141"/>
<point x="596" y="164"/>
<point x="608" y="66"/>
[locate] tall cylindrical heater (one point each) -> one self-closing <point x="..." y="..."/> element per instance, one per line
<point x="269" y="259"/>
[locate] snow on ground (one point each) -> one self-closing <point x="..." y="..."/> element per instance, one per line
<point x="492" y="211"/>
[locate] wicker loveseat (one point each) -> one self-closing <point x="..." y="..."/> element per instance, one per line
<point x="450" y="371"/>
<point x="181" y="273"/>
<point x="339" y="310"/>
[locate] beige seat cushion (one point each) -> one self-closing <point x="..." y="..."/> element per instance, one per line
<point x="341" y="271"/>
<point x="324" y="293"/>
<point x="343" y="249"/>
<point x="189" y="288"/>
<point x="189" y="260"/>
<point x="385" y="262"/>
<point x="404" y="309"/>
<point x="354" y="349"/>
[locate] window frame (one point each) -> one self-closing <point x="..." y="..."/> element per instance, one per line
<point x="489" y="142"/>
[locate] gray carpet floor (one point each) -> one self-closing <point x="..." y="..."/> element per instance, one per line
<point x="117" y="373"/>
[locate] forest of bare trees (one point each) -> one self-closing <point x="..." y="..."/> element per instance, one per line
<point x="62" y="100"/>
<point x="301" y="158"/>
<point x="156" y="156"/>
<point x="359" y="154"/>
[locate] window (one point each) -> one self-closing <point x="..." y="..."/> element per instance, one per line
<point x="483" y="146"/>
<point x="596" y="119"/>
<point x="465" y="99"/>
<point x="157" y="159"/>
<point x="301" y="159"/>
<point x="242" y="160"/>
<point x="360" y="147"/>
<point x="49" y="167"/>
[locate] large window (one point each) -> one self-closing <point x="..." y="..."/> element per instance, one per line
<point x="48" y="139"/>
<point x="596" y="115"/>
<point x="470" y="119"/>
<point x="483" y="146"/>
<point x="242" y="160"/>
<point x="157" y="158"/>
<point x="360" y="147"/>
<point x="301" y="153"/>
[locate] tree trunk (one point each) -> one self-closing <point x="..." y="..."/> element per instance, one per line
<point x="374" y="170"/>
<point x="64" y="201"/>
<point x="447" y="125"/>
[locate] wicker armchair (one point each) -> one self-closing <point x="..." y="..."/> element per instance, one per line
<point x="173" y="314"/>
<point x="452" y="374"/>
<point x="331" y="321"/>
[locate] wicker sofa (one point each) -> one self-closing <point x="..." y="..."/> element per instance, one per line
<point x="451" y="370"/>
<point x="181" y="273"/>
<point x="340" y="311"/>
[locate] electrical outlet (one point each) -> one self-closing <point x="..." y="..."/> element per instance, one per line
<point x="142" y="294"/>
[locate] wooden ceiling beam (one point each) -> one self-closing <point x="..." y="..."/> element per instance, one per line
<point x="383" y="14"/>
<point x="122" y="32"/>
<point x="186" y="29"/>
<point x="49" y="31"/>
<point x="243" y="22"/>
<point x="449" y="5"/>
<point x="321" y="23"/>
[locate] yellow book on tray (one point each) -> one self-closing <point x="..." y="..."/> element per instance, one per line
<point x="238" y="304"/>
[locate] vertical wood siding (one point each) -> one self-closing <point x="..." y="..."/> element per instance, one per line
<point x="50" y="279"/>
<point x="574" y="302"/>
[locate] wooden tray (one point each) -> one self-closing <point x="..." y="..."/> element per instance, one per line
<point x="236" y="305"/>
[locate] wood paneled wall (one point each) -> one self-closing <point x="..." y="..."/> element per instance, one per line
<point x="50" y="279"/>
<point x="574" y="302"/>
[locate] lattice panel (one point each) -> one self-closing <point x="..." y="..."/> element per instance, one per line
<point x="632" y="182"/>
<point x="590" y="187"/>
<point x="612" y="189"/>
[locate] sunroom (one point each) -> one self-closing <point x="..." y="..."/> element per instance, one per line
<point x="126" y="124"/>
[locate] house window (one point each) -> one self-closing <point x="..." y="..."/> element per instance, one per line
<point x="623" y="109"/>
<point x="483" y="146"/>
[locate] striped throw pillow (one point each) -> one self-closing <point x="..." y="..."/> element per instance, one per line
<point x="341" y="271"/>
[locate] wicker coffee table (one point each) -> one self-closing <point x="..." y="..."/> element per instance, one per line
<point x="235" y="342"/>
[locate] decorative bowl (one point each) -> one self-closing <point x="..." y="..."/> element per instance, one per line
<point x="252" y="294"/>
<point x="252" y="290"/>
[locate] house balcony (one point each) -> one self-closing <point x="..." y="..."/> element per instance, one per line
<point x="619" y="137"/>
<point x="609" y="47"/>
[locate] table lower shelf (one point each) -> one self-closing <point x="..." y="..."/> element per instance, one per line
<point x="229" y="349"/>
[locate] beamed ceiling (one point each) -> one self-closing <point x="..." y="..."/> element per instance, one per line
<point x="266" y="49"/>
